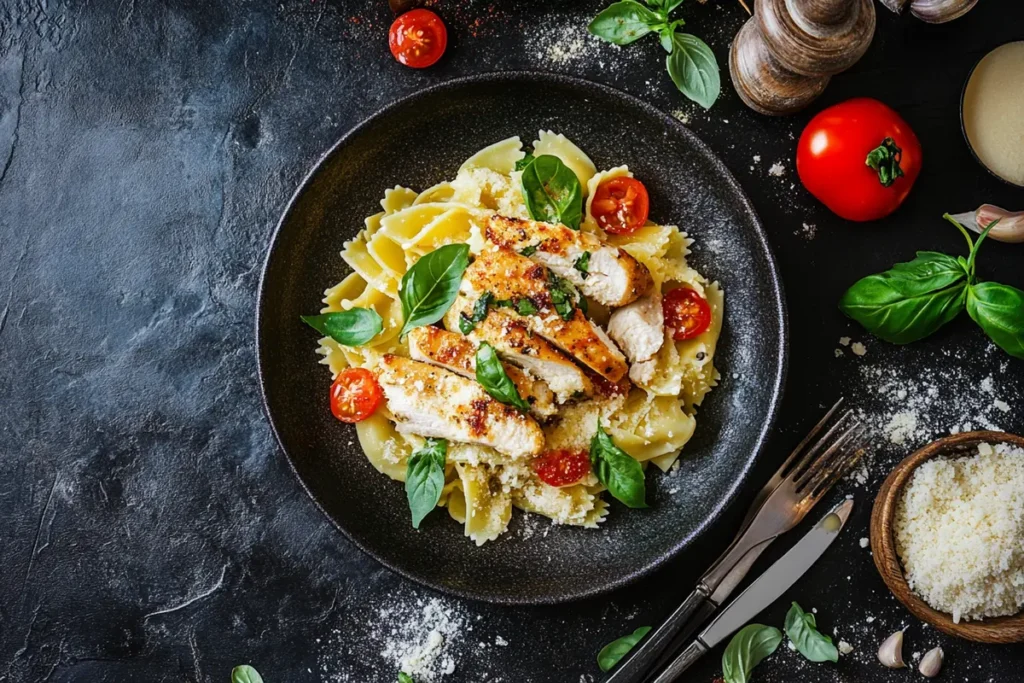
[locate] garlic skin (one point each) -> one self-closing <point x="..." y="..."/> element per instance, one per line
<point x="890" y="652"/>
<point x="941" y="11"/>
<point x="931" y="663"/>
<point x="1010" y="227"/>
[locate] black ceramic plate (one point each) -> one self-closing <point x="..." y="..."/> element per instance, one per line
<point x="422" y="140"/>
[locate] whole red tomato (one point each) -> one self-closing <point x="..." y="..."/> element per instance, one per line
<point x="859" y="158"/>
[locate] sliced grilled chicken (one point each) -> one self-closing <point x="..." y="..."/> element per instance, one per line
<point x="458" y="354"/>
<point x="515" y="342"/>
<point x="511" y="277"/>
<point x="431" y="401"/>
<point x="613" y="277"/>
<point x="639" y="329"/>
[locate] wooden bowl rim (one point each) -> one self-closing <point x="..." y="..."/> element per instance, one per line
<point x="1008" y="629"/>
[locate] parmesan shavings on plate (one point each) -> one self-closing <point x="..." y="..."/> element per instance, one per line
<point x="960" y="533"/>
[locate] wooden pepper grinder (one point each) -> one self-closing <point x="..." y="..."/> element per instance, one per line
<point x="785" y="54"/>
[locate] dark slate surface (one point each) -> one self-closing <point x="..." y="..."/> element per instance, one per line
<point x="152" y="529"/>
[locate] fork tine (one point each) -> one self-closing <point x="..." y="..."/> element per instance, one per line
<point x="810" y="436"/>
<point x="824" y="459"/>
<point x="821" y="448"/>
<point x="839" y="467"/>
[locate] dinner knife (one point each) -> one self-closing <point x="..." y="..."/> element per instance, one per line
<point x="765" y="590"/>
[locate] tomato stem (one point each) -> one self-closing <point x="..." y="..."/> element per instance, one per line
<point x="885" y="159"/>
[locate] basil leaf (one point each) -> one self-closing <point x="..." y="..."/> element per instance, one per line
<point x="467" y="323"/>
<point x="491" y="375"/>
<point x="670" y="5"/>
<point x="404" y="678"/>
<point x="748" y="647"/>
<point x="617" y="470"/>
<point x="910" y="301"/>
<point x="623" y="22"/>
<point x="802" y="629"/>
<point x="352" y="327"/>
<point x="564" y="296"/>
<point x="974" y="248"/>
<point x="245" y="674"/>
<point x="525" y="307"/>
<point x="694" y="69"/>
<point x="999" y="310"/>
<point x="552" y="192"/>
<point x="612" y="653"/>
<point x="529" y="250"/>
<point x="524" y="162"/>
<point x="582" y="264"/>
<point x="424" y="478"/>
<point x="429" y="288"/>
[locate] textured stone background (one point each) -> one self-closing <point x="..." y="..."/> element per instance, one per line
<point x="152" y="530"/>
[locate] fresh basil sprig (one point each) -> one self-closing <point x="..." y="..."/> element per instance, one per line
<point x="612" y="653"/>
<point x="746" y="650"/>
<point x="352" y="327"/>
<point x="429" y="288"/>
<point x="802" y="629"/>
<point x="491" y="375"/>
<point x="245" y="674"/>
<point x="912" y="300"/>
<point x="424" y="478"/>
<point x="617" y="470"/>
<point x="690" y="62"/>
<point x="551" y="191"/>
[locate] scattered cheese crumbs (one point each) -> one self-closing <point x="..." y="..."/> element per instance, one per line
<point x="757" y="158"/>
<point x="865" y="542"/>
<point x="901" y="428"/>
<point x="960" y="533"/>
<point x="418" y="648"/>
<point x="844" y="647"/>
<point x="858" y="349"/>
<point x="839" y="353"/>
<point x="807" y="230"/>
<point x="682" y="116"/>
<point x="501" y="642"/>
<point x="791" y="646"/>
<point x="1001" y="405"/>
<point x="845" y="341"/>
<point x="870" y="620"/>
<point x="777" y="170"/>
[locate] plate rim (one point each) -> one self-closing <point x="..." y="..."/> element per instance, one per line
<point x="776" y="288"/>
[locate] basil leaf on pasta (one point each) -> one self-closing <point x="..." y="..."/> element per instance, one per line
<point x="491" y="375"/>
<point x="429" y="288"/>
<point x="524" y="162"/>
<point x="802" y="629"/>
<point x="552" y="192"/>
<point x="245" y="674"/>
<point x="617" y="470"/>
<point x="351" y="328"/>
<point x="612" y="653"/>
<point x="424" y="478"/>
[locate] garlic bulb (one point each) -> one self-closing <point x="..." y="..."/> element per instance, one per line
<point x="931" y="663"/>
<point x="940" y="11"/>
<point x="1010" y="227"/>
<point x="890" y="652"/>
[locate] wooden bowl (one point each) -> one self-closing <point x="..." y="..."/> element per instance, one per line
<point x="883" y="543"/>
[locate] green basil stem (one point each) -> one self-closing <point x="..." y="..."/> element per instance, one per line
<point x="885" y="159"/>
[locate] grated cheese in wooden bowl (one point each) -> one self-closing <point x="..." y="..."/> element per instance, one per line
<point x="959" y="532"/>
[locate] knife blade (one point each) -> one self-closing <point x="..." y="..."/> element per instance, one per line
<point x="765" y="590"/>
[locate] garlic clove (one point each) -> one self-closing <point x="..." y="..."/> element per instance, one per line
<point x="890" y="652"/>
<point x="931" y="663"/>
<point x="1010" y="227"/>
<point x="941" y="11"/>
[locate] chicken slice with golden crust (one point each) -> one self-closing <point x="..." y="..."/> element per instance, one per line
<point x="430" y="401"/>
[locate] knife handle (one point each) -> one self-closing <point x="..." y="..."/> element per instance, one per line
<point x="683" y="662"/>
<point x="650" y="650"/>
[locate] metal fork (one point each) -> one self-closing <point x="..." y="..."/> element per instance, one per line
<point x="813" y="467"/>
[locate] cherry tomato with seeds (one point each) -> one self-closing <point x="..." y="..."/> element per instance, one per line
<point x="355" y="395"/>
<point x="686" y="312"/>
<point x="859" y="158"/>
<point x="418" y="38"/>
<point x="562" y="467"/>
<point x="620" y="205"/>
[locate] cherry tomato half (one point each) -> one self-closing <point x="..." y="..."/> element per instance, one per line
<point x="686" y="312"/>
<point x="859" y="158"/>
<point x="562" y="467"/>
<point x="418" y="38"/>
<point x="620" y="205"/>
<point x="355" y="395"/>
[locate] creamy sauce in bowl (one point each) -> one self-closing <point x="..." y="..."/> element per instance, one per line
<point x="993" y="112"/>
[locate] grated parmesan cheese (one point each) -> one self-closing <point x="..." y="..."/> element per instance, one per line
<point x="960" y="533"/>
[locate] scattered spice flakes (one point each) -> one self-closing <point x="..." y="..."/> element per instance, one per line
<point x="807" y="230"/>
<point x="565" y="40"/>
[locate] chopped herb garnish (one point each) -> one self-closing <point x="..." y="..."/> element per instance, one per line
<point x="582" y="264"/>
<point x="529" y="251"/>
<point x="468" y="322"/>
